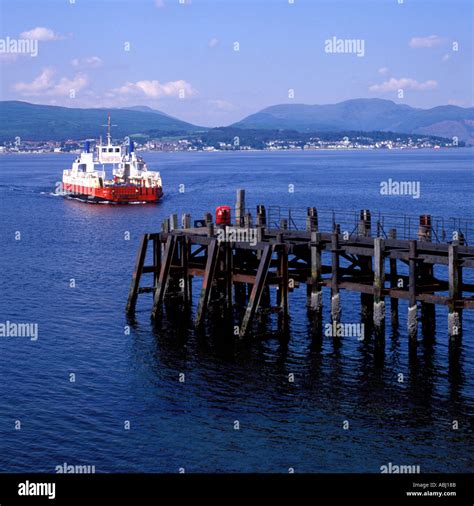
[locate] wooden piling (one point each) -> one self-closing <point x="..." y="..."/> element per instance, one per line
<point x="228" y="275"/>
<point x="428" y="311"/>
<point x="186" y="279"/>
<point x="379" y="282"/>
<point x="424" y="228"/>
<point x="454" y="319"/>
<point x="156" y="259"/>
<point x="283" y="273"/>
<point x="247" y="220"/>
<point x="311" y="219"/>
<point x="163" y="279"/>
<point x="365" y="223"/>
<point x="240" y="208"/>
<point x="412" y="320"/>
<point x="257" y="290"/>
<point x="185" y="220"/>
<point x="137" y="273"/>
<point x="261" y="216"/>
<point x="211" y="263"/>
<point x="173" y="221"/>
<point x="315" y="301"/>
<point x="335" y="296"/>
<point x="364" y="229"/>
<point x="393" y="285"/>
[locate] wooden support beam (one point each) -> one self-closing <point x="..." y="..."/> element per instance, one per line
<point x="156" y="259"/>
<point x="164" y="275"/>
<point x="412" y="320"/>
<point x="257" y="290"/>
<point x="312" y="219"/>
<point x="379" y="282"/>
<point x="137" y="274"/>
<point x="335" y="296"/>
<point x="315" y="301"/>
<point x="211" y="263"/>
<point x="173" y="221"/>
<point x="185" y="247"/>
<point x="393" y="284"/>
<point x="454" y="316"/>
<point x="185" y="220"/>
<point x="428" y="313"/>
<point x="228" y="264"/>
<point x="283" y="273"/>
<point x="239" y="208"/>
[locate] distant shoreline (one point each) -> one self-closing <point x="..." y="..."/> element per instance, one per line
<point x="372" y="150"/>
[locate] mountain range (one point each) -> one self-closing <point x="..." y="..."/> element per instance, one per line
<point x="366" y="115"/>
<point x="46" y="122"/>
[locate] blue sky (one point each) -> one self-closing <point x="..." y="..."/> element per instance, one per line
<point x="182" y="58"/>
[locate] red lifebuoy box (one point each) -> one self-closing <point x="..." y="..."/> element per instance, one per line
<point x="223" y="215"/>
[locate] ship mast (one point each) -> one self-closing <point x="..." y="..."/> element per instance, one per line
<point x="109" y="125"/>
<point x="108" y="128"/>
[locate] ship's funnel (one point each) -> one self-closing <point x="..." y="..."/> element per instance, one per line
<point x="131" y="147"/>
<point x="87" y="145"/>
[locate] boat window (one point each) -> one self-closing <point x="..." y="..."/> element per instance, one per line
<point x="117" y="150"/>
<point x="104" y="150"/>
<point x="111" y="150"/>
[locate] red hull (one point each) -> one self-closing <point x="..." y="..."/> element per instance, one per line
<point x="117" y="194"/>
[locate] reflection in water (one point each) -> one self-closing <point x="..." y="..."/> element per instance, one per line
<point x="384" y="384"/>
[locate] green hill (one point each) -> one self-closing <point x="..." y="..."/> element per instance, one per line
<point x="45" y="122"/>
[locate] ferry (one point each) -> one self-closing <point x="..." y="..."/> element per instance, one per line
<point x="132" y="182"/>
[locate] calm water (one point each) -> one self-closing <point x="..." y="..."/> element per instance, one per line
<point x="135" y="377"/>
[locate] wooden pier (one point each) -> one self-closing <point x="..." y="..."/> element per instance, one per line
<point x="243" y="264"/>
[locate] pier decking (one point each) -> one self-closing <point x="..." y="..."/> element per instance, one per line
<point x="241" y="265"/>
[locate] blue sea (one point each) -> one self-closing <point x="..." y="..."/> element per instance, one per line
<point x="67" y="266"/>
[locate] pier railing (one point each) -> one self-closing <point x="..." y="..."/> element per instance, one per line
<point x="443" y="230"/>
<point x="246" y="259"/>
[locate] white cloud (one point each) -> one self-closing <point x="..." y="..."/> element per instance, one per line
<point x="41" y="83"/>
<point x="213" y="42"/>
<point x="155" y="89"/>
<point x="404" y="83"/>
<point x="430" y="41"/>
<point x="46" y="85"/>
<point x="222" y="105"/>
<point x="89" y="62"/>
<point x="40" y="33"/>
<point x="383" y="71"/>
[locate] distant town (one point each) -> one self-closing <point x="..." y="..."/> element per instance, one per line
<point x="231" y="141"/>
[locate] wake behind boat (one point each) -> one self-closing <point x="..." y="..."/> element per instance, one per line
<point x="132" y="181"/>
